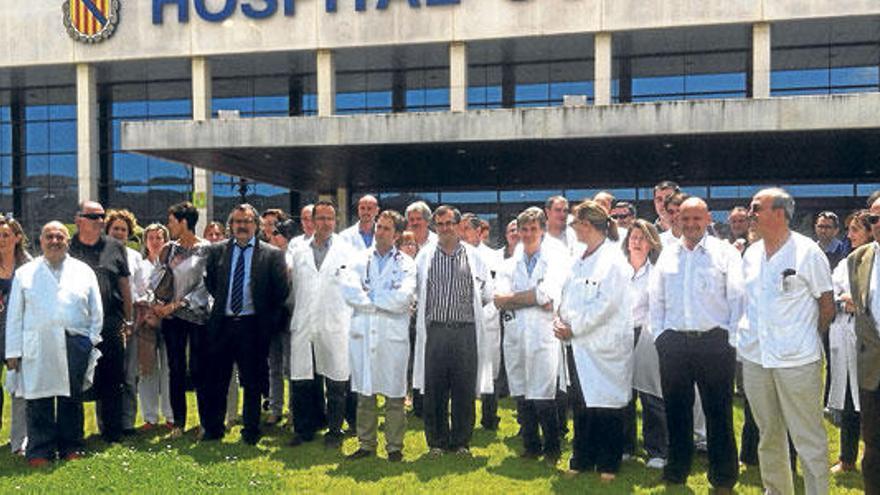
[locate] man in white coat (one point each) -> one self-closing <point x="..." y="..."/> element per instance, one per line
<point x="319" y="333"/>
<point x="528" y="288"/>
<point x="380" y="286"/>
<point x="454" y="284"/>
<point x="360" y="235"/>
<point x="53" y="324"/>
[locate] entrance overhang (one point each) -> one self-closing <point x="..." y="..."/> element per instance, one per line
<point x="803" y="138"/>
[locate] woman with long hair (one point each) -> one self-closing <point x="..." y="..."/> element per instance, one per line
<point x="153" y="384"/>
<point x="595" y="322"/>
<point x="843" y="393"/>
<point x="13" y="254"/>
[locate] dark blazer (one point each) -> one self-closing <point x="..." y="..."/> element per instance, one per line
<point x="859" y="264"/>
<point x="269" y="284"/>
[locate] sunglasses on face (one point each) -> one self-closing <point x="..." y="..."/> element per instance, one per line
<point x="93" y="216"/>
<point x="621" y="216"/>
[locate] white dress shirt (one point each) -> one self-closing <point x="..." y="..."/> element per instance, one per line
<point x="697" y="290"/>
<point x="782" y="303"/>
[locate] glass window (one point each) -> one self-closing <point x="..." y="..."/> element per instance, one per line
<point x="465" y="197"/>
<point x="681" y="64"/>
<point x="827" y="56"/>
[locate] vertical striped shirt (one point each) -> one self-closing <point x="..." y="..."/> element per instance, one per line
<point x="450" y="296"/>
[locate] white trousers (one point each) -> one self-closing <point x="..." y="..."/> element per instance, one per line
<point x="789" y="401"/>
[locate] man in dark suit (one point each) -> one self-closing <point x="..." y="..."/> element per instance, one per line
<point x="863" y="279"/>
<point x="249" y="282"/>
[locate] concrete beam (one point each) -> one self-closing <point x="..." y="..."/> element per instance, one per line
<point x="87" y="164"/>
<point x="326" y="75"/>
<point x="761" y="67"/>
<point x="203" y="180"/>
<point x="458" y="76"/>
<point x="801" y="113"/>
<point x="602" y="78"/>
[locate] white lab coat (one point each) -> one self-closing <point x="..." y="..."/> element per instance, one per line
<point x="482" y="282"/>
<point x="842" y="340"/>
<point x="646" y="362"/>
<point x="597" y="303"/>
<point x="352" y="235"/>
<point x="321" y="317"/>
<point x="533" y="356"/>
<point x="379" y="338"/>
<point x="138" y="280"/>
<point x="41" y="310"/>
<point x="490" y="347"/>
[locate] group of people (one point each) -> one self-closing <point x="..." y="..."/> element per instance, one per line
<point x="582" y="312"/>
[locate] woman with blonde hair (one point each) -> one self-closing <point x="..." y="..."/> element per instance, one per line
<point x="153" y="390"/>
<point x="595" y="322"/>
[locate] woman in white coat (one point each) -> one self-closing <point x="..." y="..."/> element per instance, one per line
<point x="528" y="289"/>
<point x="380" y="286"/>
<point x="642" y="247"/>
<point x="843" y="394"/>
<point x="595" y="316"/>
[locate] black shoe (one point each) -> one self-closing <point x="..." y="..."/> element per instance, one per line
<point x="360" y="454"/>
<point x="395" y="456"/>
<point x="333" y="440"/>
<point x="112" y="437"/>
<point x="298" y="440"/>
<point x="129" y="432"/>
<point x="529" y="454"/>
<point x="491" y="426"/>
<point x="350" y="432"/>
<point x="211" y="436"/>
<point x="250" y="439"/>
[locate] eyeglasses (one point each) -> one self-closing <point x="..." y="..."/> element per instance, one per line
<point x="754" y="208"/>
<point x="93" y="216"/>
<point x="873" y="219"/>
<point x="621" y="216"/>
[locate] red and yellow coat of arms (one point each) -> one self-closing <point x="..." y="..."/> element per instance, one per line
<point x="91" y="21"/>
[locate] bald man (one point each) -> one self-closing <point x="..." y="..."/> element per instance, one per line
<point x="360" y="235"/>
<point x="696" y="298"/>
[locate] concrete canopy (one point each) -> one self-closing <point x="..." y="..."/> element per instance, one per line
<point x="825" y="138"/>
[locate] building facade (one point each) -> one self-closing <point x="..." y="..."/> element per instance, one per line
<point x="488" y="104"/>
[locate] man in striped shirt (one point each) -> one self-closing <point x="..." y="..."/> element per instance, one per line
<point x="453" y="285"/>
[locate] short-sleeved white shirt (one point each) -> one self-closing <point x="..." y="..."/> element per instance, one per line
<point x="782" y="305"/>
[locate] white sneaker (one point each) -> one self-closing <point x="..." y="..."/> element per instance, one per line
<point x="625" y="457"/>
<point x="656" y="463"/>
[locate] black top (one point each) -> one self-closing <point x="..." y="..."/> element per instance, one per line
<point x="108" y="259"/>
<point x="5" y="289"/>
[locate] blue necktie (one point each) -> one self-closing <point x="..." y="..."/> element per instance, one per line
<point x="237" y="296"/>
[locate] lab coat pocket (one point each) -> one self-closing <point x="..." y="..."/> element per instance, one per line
<point x="398" y="333"/>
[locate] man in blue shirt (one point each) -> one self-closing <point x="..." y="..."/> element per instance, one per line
<point x="249" y="281"/>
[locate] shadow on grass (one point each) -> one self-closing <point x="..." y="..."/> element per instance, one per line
<point x="425" y="469"/>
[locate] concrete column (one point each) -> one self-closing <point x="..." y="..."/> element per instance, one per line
<point x="326" y="83"/>
<point x="602" y="76"/>
<point x="341" y="208"/>
<point x="458" y="76"/>
<point x="761" y="60"/>
<point x="203" y="180"/>
<point x="87" y="143"/>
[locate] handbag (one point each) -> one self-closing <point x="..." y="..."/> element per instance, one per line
<point x="163" y="293"/>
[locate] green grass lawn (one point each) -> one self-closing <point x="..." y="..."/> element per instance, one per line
<point x="150" y="463"/>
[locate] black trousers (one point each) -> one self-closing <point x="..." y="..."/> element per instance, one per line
<point x="308" y="406"/>
<point x="489" y="411"/>
<point x="450" y="376"/>
<point x="707" y="360"/>
<point x="869" y="400"/>
<point x="654" y="434"/>
<point x="55" y="424"/>
<point x="237" y="341"/>
<point x="598" y="432"/>
<point x="109" y="380"/>
<point x="850" y="425"/>
<point x="177" y="334"/>
<point x="531" y="415"/>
